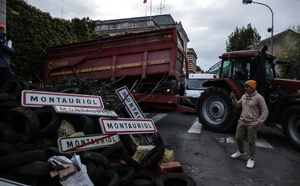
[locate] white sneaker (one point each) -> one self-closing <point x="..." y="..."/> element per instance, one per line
<point x="238" y="154"/>
<point x="250" y="164"/>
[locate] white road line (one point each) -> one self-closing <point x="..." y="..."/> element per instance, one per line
<point x="260" y="142"/>
<point x="157" y="117"/>
<point x="196" y="127"/>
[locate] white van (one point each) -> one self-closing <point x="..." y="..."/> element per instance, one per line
<point x="194" y="86"/>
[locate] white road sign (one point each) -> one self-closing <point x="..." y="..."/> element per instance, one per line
<point x="127" y="126"/>
<point x="82" y="143"/>
<point x="40" y="98"/>
<point x="86" y="111"/>
<point x="132" y="107"/>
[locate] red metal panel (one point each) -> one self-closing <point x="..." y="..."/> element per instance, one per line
<point x="146" y="55"/>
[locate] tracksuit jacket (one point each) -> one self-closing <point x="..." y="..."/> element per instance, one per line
<point x="254" y="108"/>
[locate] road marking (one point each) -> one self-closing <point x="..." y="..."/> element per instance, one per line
<point x="157" y="117"/>
<point x="196" y="127"/>
<point x="260" y="142"/>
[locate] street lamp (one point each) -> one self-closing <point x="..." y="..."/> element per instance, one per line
<point x="245" y="2"/>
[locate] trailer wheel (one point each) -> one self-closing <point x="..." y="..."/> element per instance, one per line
<point x="291" y="125"/>
<point x="215" y="110"/>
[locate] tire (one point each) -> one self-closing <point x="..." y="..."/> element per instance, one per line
<point x="8" y="134"/>
<point x="175" y="179"/>
<point x="129" y="161"/>
<point x="22" y="158"/>
<point x="109" y="178"/>
<point x="24" y="121"/>
<point x="97" y="174"/>
<point x="34" y="169"/>
<point x="7" y="149"/>
<point x="291" y="125"/>
<point x="71" y="90"/>
<point x="144" y="178"/>
<point x="96" y="158"/>
<point x="126" y="174"/>
<point x="49" y="121"/>
<point x="16" y="90"/>
<point x="82" y="123"/>
<point x="157" y="139"/>
<point x="24" y="85"/>
<point x="215" y="110"/>
<point x="154" y="155"/>
<point x="8" y="101"/>
<point x="128" y="144"/>
<point x="109" y="151"/>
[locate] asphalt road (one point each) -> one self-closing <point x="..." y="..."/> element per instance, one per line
<point x="205" y="155"/>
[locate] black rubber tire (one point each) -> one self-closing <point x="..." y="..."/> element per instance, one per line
<point x="128" y="144"/>
<point x="215" y="110"/>
<point x="126" y="174"/>
<point x="144" y="178"/>
<point x="129" y="161"/>
<point x="81" y="123"/>
<point x="49" y="121"/>
<point x="14" y="160"/>
<point x="157" y="139"/>
<point x="154" y="155"/>
<point x="8" y="134"/>
<point x="7" y="149"/>
<point x="71" y="90"/>
<point x="291" y="125"/>
<point x="24" y="121"/>
<point x="90" y="167"/>
<point x="8" y="101"/>
<point x="175" y="179"/>
<point x="16" y="90"/>
<point x="24" y="85"/>
<point x="96" y="158"/>
<point x="34" y="169"/>
<point x="108" y="178"/>
<point x="111" y="150"/>
<point x="97" y="174"/>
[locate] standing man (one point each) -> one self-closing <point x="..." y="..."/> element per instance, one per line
<point x="6" y="76"/>
<point x="254" y="113"/>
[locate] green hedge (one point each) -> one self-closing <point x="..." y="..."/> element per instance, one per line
<point x="33" y="31"/>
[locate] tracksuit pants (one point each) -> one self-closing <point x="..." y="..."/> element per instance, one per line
<point x="249" y="130"/>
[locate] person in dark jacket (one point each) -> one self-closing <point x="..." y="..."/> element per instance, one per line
<point x="6" y="76"/>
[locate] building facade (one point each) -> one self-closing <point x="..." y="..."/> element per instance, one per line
<point x="146" y="23"/>
<point x="192" y="61"/>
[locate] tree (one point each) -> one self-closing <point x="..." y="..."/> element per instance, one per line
<point x="291" y="55"/>
<point x="241" y="38"/>
<point x="33" y="31"/>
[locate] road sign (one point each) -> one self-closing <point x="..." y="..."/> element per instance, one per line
<point x="86" y="111"/>
<point x="5" y="182"/>
<point x="131" y="106"/>
<point x="40" y="98"/>
<point x="127" y="126"/>
<point x="82" y="143"/>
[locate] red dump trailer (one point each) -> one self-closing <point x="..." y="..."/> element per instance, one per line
<point x="149" y="56"/>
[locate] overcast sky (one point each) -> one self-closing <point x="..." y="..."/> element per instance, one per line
<point x="208" y="23"/>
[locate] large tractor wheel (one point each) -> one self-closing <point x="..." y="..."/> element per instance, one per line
<point x="291" y="125"/>
<point x="215" y="110"/>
